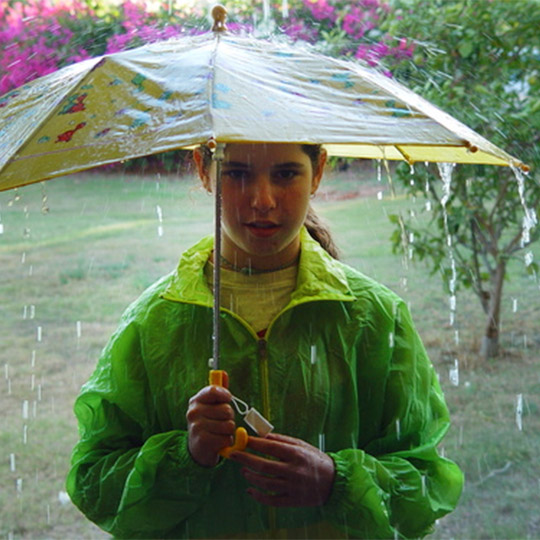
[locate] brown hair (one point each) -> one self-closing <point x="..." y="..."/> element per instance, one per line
<point x="316" y="227"/>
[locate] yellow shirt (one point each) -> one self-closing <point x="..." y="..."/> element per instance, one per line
<point x="256" y="298"/>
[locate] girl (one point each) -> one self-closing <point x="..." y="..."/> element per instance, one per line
<point x="330" y="357"/>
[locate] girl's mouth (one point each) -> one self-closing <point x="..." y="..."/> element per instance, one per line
<point x="262" y="229"/>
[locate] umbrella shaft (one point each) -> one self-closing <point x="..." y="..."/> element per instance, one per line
<point x="218" y="158"/>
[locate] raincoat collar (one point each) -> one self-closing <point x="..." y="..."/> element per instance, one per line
<point x="320" y="277"/>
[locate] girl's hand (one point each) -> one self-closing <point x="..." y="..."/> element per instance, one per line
<point x="297" y="474"/>
<point x="210" y="421"/>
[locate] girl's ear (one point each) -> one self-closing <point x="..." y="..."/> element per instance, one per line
<point x="317" y="175"/>
<point x="202" y="169"/>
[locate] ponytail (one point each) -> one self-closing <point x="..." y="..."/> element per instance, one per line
<point x="319" y="231"/>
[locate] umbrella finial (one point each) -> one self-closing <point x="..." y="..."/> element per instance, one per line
<point x="219" y="14"/>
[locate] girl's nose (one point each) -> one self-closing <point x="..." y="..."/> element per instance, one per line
<point x="263" y="197"/>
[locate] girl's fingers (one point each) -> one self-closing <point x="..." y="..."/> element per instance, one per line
<point x="285" y="439"/>
<point x="259" y="464"/>
<point x="212" y="395"/>
<point x="218" y="427"/>
<point x="266" y="483"/>
<point x="273" y="447"/>
<point x="218" y="441"/>
<point x="218" y="412"/>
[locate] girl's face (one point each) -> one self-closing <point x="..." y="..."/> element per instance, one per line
<point x="266" y="190"/>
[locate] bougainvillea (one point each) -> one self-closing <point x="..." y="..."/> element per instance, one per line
<point x="40" y="36"/>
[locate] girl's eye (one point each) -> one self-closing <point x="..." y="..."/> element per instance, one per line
<point x="236" y="174"/>
<point x="285" y="174"/>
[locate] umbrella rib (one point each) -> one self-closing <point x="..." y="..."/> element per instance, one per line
<point x="404" y="154"/>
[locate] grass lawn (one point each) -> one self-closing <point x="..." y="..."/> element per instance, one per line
<point x="67" y="275"/>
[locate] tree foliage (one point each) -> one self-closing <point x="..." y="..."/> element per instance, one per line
<point x="479" y="60"/>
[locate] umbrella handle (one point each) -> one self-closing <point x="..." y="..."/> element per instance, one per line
<point x="216" y="378"/>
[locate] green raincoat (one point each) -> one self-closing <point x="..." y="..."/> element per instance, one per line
<point x="340" y="367"/>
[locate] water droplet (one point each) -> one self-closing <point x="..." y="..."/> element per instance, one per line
<point x="391" y="339"/>
<point x="428" y="206"/>
<point x="529" y="219"/>
<point x="1" y="228"/>
<point x="63" y="498"/>
<point x="19" y="486"/>
<point x="514" y="305"/>
<point x="79" y="329"/>
<point x="322" y="442"/>
<point x="12" y="462"/>
<point x="23" y="257"/>
<point x="519" y="411"/>
<point x="25" y="434"/>
<point x="379" y="195"/>
<point x="398" y="429"/>
<point x="25" y="410"/>
<point x="454" y="373"/>
<point x="313" y="354"/>
<point x="39" y="334"/>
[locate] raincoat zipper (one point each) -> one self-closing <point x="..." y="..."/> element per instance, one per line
<point x="262" y="352"/>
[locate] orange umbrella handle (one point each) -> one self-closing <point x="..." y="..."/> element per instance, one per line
<point x="241" y="435"/>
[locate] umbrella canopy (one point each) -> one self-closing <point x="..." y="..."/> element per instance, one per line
<point x="183" y="92"/>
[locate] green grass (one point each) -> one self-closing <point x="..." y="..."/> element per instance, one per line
<point x="98" y="247"/>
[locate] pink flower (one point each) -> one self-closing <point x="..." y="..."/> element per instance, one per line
<point x="321" y="9"/>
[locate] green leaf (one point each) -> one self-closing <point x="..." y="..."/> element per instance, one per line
<point x="465" y="48"/>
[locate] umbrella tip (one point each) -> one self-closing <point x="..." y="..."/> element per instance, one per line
<point x="219" y="14"/>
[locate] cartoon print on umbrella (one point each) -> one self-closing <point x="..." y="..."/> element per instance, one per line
<point x="68" y="135"/>
<point x="74" y="104"/>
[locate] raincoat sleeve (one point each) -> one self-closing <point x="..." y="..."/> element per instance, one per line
<point x="129" y="481"/>
<point x="397" y="485"/>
